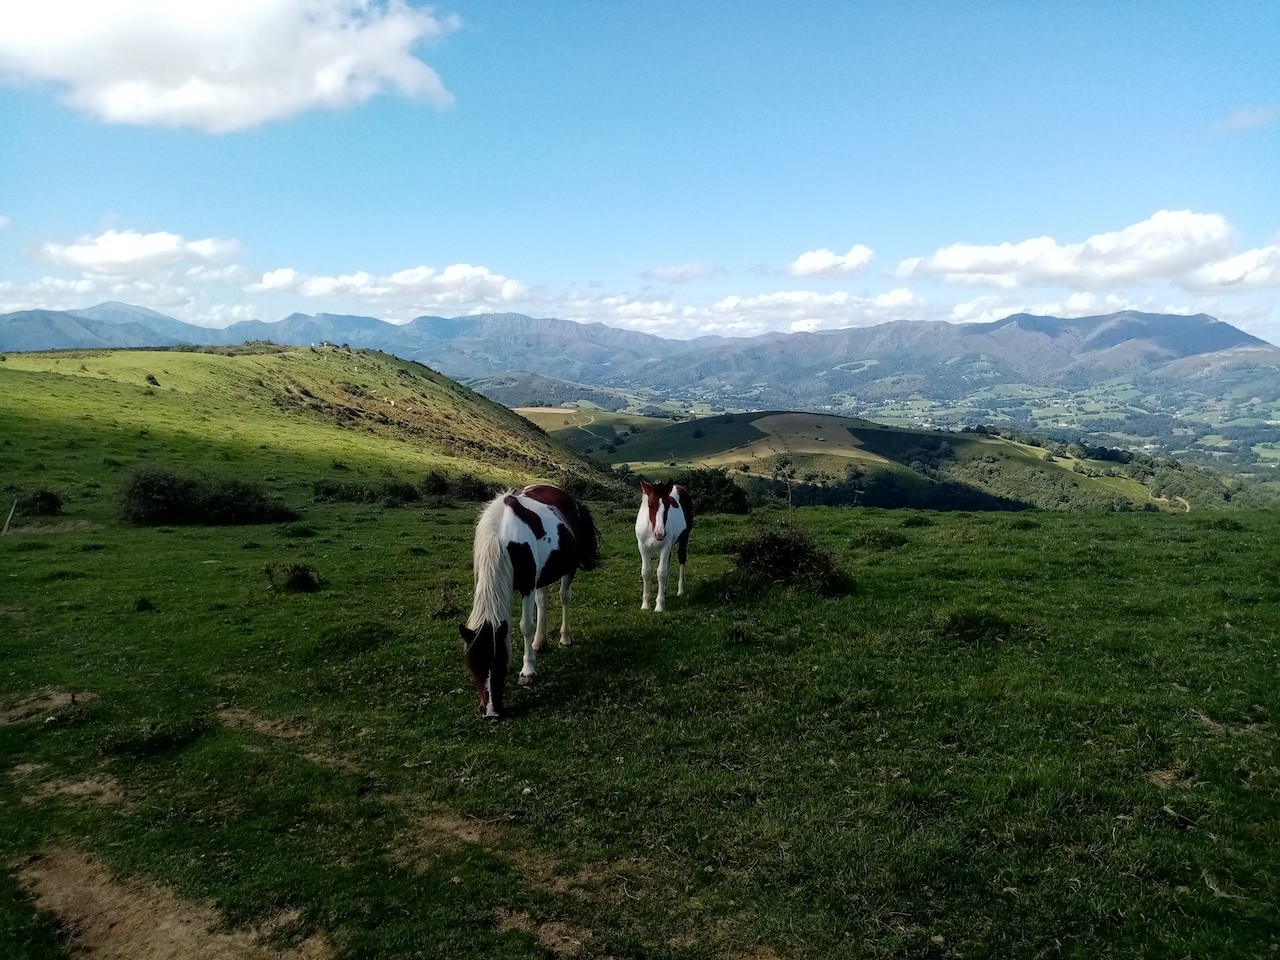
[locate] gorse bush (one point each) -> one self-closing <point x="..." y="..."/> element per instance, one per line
<point x="154" y="495"/>
<point x="789" y="557"/>
<point x="713" y="491"/>
<point x="42" y="503"/>
<point x="295" y="577"/>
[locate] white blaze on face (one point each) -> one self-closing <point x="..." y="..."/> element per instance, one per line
<point x="489" y="711"/>
<point x="660" y="520"/>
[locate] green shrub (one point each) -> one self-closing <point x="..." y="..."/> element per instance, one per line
<point x="787" y="556"/>
<point x="154" y="495"/>
<point x="713" y="491"/>
<point x="41" y="503"/>
<point x="296" y="577"/>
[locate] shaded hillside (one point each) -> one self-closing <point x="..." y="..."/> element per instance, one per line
<point x="287" y="416"/>
<point x="842" y="460"/>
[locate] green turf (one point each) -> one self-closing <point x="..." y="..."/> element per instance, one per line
<point x="1009" y="735"/>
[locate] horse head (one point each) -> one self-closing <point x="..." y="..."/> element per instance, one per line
<point x="486" y="655"/>
<point x="657" y="496"/>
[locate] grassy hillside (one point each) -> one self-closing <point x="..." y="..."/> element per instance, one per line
<point x="77" y="421"/>
<point x="826" y="450"/>
<point x="1014" y="736"/>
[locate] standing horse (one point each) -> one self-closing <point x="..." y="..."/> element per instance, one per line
<point x="525" y="540"/>
<point x="665" y="518"/>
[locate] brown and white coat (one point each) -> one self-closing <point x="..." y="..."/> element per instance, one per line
<point x="525" y="540"/>
<point x="664" y="521"/>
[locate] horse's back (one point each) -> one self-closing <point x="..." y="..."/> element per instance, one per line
<point x="536" y="514"/>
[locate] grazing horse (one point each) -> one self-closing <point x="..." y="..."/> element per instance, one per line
<point x="526" y="539"/>
<point x="665" y="518"/>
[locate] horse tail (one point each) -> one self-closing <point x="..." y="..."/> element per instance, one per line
<point x="588" y="537"/>
<point x="491" y="567"/>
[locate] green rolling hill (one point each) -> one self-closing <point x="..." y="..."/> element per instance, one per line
<point x="78" y="421"/>
<point x="925" y="467"/>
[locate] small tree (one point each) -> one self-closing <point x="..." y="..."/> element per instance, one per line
<point x="784" y="471"/>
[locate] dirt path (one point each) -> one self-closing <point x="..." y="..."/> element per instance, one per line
<point x="114" y="918"/>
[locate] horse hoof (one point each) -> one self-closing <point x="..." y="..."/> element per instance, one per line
<point x="526" y="679"/>
<point x="539" y="646"/>
<point x="566" y="642"/>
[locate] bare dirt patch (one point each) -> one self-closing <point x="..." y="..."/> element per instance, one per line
<point x="561" y="939"/>
<point x="240" y="719"/>
<point x="45" y="701"/>
<point x="438" y="833"/>
<point x="114" y="918"/>
<point x="1222" y="729"/>
<point x="63" y="526"/>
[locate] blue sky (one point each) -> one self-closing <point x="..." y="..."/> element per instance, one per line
<point x="681" y="169"/>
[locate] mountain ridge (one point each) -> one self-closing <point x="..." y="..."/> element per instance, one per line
<point x="1130" y="377"/>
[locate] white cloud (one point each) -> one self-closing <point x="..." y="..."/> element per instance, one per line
<point x="122" y="252"/>
<point x="460" y="285"/>
<point x="1083" y="304"/>
<point x="223" y="66"/>
<point x="1246" y="119"/>
<point x="807" y="310"/>
<point x="1169" y="245"/>
<point x="1251" y="270"/>
<point x="824" y="263"/>
<point x="681" y="273"/>
<point x="4" y="222"/>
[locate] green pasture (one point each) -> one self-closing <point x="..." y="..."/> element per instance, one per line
<point x="77" y="422"/>
<point x="1024" y="735"/>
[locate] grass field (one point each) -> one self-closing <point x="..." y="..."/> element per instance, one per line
<point x="78" y="421"/>
<point x="1008" y="735"/>
<point x="1015" y="735"/>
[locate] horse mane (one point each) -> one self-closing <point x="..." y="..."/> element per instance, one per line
<point x="492" y="567"/>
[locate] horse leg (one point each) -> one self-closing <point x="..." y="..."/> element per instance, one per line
<point x="540" y="634"/>
<point x="527" y="672"/>
<point x="664" y="565"/>
<point x="682" y="554"/>
<point x="565" y="592"/>
<point x="644" y="579"/>
<point x="498" y="677"/>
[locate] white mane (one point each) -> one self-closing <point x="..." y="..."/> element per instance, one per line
<point x="492" y="567"/>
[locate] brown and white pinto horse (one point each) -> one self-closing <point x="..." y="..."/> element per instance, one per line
<point x="665" y="518"/>
<point x="525" y="540"/>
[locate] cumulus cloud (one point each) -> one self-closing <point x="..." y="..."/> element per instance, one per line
<point x="220" y="67"/>
<point x="4" y="222"/>
<point x="1167" y="246"/>
<point x="824" y="263"/>
<point x="1251" y="270"/>
<point x="460" y="285"/>
<point x="1082" y="304"/>
<point x="1247" y="119"/>
<point x="681" y="273"/>
<point x="121" y="252"/>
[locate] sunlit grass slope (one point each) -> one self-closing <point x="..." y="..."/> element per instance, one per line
<point x="77" y="421"/>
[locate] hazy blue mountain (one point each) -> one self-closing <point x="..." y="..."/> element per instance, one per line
<point x="60" y="330"/>
<point x="125" y="314"/>
<point x="937" y="361"/>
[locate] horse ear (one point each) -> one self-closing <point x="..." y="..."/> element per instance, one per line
<point x="468" y="635"/>
<point x="646" y="486"/>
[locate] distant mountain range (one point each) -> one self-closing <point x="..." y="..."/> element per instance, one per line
<point x="1117" y="374"/>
